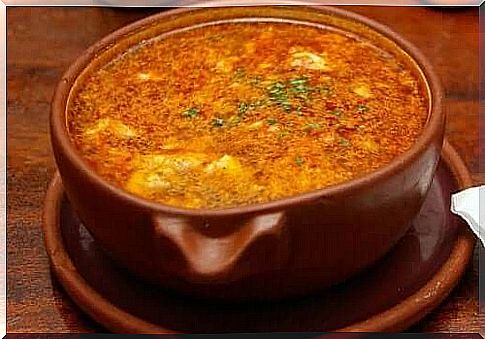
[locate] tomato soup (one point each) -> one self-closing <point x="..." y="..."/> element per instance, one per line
<point x="240" y="113"/>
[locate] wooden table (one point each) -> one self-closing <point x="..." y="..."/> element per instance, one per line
<point x="42" y="42"/>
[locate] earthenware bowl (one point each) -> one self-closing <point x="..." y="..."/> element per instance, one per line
<point x="278" y="249"/>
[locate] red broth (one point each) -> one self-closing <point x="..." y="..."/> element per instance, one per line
<point x="241" y="113"/>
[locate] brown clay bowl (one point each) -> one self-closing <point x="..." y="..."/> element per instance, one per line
<point x="278" y="249"/>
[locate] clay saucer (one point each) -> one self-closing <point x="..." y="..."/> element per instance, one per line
<point x="399" y="290"/>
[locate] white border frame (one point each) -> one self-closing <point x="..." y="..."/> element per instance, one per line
<point x="123" y="3"/>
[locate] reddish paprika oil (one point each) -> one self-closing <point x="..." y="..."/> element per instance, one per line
<point x="239" y="113"/>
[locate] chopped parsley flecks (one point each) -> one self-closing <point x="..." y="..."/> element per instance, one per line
<point x="311" y="126"/>
<point x="344" y="142"/>
<point x="243" y="108"/>
<point x="271" y="121"/>
<point x="299" y="161"/>
<point x="218" y="122"/>
<point x="362" y="108"/>
<point x="277" y="92"/>
<point x="191" y="112"/>
<point x="336" y="112"/>
<point x="300" y="87"/>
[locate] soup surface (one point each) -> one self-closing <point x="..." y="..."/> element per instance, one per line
<point x="240" y="113"/>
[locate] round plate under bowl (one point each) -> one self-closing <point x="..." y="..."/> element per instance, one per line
<point x="399" y="290"/>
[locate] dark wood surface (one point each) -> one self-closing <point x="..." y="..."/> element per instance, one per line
<point x="42" y="42"/>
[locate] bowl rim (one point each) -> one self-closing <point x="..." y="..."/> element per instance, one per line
<point x="433" y="127"/>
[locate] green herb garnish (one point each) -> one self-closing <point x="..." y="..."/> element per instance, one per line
<point x="311" y="126"/>
<point x="239" y="73"/>
<point x="298" y="110"/>
<point x="324" y="90"/>
<point x="191" y="112"/>
<point x="276" y="88"/>
<point x="271" y="121"/>
<point x="257" y="103"/>
<point x="278" y="94"/>
<point x="362" y="108"/>
<point x="298" y="81"/>
<point x="336" y="112"/>
<point x="243" y="108"/>
<point x="218" y="122"/>
<point x="344" y="142"/>
<point x="283" y="134"/>
<point x="286" y="107"/>
<point x="246" y="107"/>
<point x="300" y="87"/>
<point x="299" y="160"/>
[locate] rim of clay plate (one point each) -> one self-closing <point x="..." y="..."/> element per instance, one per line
<point x="396" y="318"/>
<point x="431" y="130"/>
